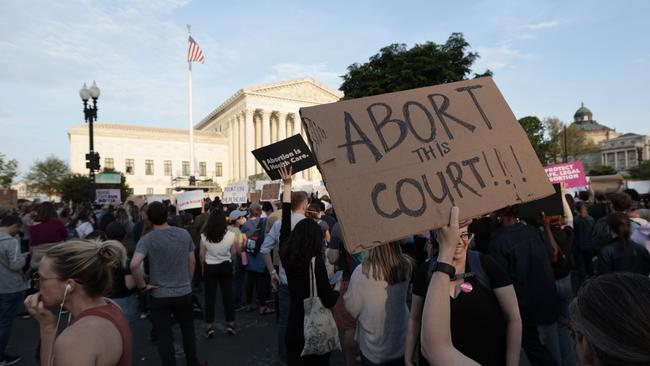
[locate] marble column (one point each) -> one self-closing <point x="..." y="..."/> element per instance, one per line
<point x="231" y="150"/>
<point x="266" y="128"/>
<point x="235" y="168"/>
<point x="282" y="125"/>
<point x="247" y="116"/>
<point x="242" y="147"/>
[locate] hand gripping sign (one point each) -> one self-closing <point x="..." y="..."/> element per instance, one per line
<point x="394" y="164"/>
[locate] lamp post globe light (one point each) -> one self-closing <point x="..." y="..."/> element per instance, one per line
<point x="90" y="115"/>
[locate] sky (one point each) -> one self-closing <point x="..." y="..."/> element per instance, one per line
<point x="547" y="56"/>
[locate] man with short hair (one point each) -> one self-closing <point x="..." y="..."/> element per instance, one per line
<point x="12" y="284"/>
<point x="171" y="265"/>
<point x="299" y="204"/>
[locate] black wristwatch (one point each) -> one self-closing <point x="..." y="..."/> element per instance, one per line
<point x="445" y="268"/>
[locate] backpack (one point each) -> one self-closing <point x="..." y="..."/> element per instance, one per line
<point x="474" y="263"/>
<point x="253" y="246"/>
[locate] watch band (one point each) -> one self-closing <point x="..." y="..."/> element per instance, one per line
<point x="445" y="268"/>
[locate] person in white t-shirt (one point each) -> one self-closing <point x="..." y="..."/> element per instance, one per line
<point x="218" y="248"/>
<point x="376" y="296"/>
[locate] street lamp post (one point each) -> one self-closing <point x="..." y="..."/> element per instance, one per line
<point x="90" y="115"/>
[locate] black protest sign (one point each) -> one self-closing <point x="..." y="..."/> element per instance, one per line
<point x="551" y="205"/>
<point x="395" y="164"/>
<point x="292" y="151"/>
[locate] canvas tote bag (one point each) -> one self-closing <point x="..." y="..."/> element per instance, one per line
<point x="321" y="333"/>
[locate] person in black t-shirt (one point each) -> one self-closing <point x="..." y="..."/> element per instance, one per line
<point x="485" y="322"/>
<point x="523" y="252"/>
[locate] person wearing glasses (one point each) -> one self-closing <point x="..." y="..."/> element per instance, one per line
<point x="76" y="275"/>
<point x="609" y="315"/>
<point x="485" y="321"/>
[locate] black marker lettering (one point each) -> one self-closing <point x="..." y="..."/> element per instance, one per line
<point x="457" y="179"/>
<point x="379" y="126"/>
<point x="443" y="186"/>
<point x="470" y="163"/>
<point x="441" y="112"/>
<point x="364" y="140"/>
<point x="379" y="187"/>
<point x="407" y="118"/>
<point x="400" y="201"/>
<point x="468" y="89"/>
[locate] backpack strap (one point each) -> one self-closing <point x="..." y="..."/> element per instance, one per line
<point x="477" y="269"/>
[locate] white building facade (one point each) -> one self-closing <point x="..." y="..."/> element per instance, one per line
<point x="155" y="160"/>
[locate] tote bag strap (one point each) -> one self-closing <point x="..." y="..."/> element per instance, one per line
<point x="313" y="291"/>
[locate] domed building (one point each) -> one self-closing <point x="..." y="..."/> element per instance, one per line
<point x="594" y="131"/>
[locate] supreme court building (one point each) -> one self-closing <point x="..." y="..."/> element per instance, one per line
<point x="156" y="160"/>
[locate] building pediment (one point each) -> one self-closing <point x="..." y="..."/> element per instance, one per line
<point x="303" y="90"/>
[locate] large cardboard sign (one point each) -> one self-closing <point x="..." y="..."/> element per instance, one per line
<point x="571" y="174"/>
<point x="607" y="183"/>
<point x="111" y="196"/>
<point x="394" y="164"/>
<point x="271" y="192"/>
<point x="190" y="199"/>
<point x="237" y="193"/>
<point x="288" y="152"/>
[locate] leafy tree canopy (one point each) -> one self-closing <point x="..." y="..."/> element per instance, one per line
<point x="535" y="130"/>
<point x="397" y="68"/>
<point x="45" y="176"/>
<point x="602" y="170"/>
<point x="8" y="171"/>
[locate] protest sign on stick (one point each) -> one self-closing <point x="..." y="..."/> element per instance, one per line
<point x="270" y="192"/>
<point x="288" y="152"/>
<point x="254" y="196"/>
<point x="571" y="174"/>
<point x="394" y="164"/>
<point x="190" y="199"/>
<point x="236" y="193"/>
<point x="551" y="205"/>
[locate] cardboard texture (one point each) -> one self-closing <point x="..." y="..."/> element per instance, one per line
<point x="571" y="174"/>
<point x="291" y="151"/>
<point x="395" y="164"/>
<point x="9" y="197"/>
<point x="254" y="196"/>
<point x="271" y="192"/>
<point x="190" y="199"/>
<point x="112" y="196"/>
<point x="606" y="183"/>
<point x="551" y="205"/>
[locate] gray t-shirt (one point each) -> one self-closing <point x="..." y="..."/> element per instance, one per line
<point x="168" y="252"/>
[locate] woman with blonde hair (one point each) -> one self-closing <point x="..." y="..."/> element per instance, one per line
<point x="376" y="296"/>
<point x="76" y="275"/>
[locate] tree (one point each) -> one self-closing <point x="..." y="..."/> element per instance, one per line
<point x="76" y="188"/>
<point x="252" y="179"/>
<point x="535" y="129"/>
<point x="577" y="142"/>
<point x="397" y="68"/>
<point x="602" y="170"/>
<point x="46" y="176"/>
<point x="634" y="173"/>
<point x="8" y="171"/>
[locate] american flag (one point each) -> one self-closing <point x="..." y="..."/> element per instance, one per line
<point x="195" y="54"/>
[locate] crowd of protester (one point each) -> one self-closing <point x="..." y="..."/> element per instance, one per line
<point x="502" y="289"/>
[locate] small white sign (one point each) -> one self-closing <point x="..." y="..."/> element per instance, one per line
<point x="112" y="196"/>
<point x="237" y="193"/>
<point x="190" y="199"/>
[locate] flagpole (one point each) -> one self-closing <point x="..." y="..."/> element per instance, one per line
<point x="189" y="82"/>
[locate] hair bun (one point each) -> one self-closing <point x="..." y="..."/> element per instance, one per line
<point x="111" y="252"/>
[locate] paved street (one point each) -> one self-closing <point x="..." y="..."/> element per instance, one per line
<point x="254" y="344"/>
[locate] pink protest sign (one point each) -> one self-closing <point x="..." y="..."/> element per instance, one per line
<point x="571" y="174"/>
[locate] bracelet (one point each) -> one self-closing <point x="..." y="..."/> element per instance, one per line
<point x="274" y="272"/>
<point x="142" y="288"/>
